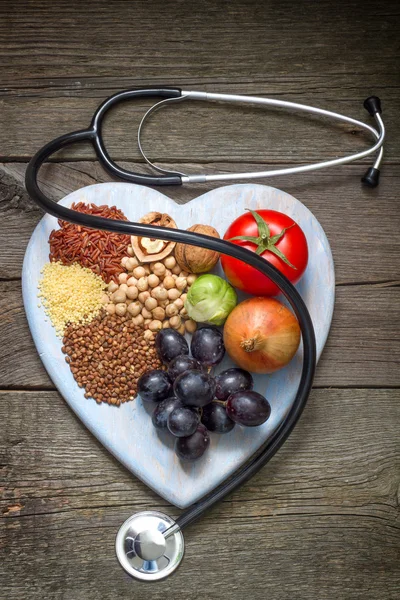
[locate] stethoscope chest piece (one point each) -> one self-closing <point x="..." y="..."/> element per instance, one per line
<point x="144" y="551"/>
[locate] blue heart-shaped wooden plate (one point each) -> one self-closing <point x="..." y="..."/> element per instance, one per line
<point x="127" y="431"/>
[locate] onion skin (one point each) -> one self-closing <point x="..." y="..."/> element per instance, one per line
<point x="261" y="335"/>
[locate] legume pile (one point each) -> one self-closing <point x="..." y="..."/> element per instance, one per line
<point x="107" y="357"/>
<point x="109" y="305"/>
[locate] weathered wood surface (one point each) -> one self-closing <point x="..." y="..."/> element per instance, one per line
<point x="67" y="57"/>
<point x="362" y="348"/>
<point x="361" y="223"/>
<point x="321" y="520"/>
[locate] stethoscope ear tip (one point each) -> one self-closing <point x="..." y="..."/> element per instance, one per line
<point x="371" y="177"/>
<point x="373" y="105"/>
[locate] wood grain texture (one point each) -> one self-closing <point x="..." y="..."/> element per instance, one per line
<point x="362" y="348"/>
<point x="68" y="56"/>
<point x="322" y="516"/>
<point x="321" y="520"/>
<point x="361" y="224"/>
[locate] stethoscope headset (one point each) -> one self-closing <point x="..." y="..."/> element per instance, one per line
<point x="150" y="544"/>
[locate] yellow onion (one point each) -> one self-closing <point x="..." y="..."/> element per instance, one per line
<point x="261" y="335"/>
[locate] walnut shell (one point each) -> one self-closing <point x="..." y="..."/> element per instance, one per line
<point x="194" y="259"/>
<point x="141" y="252"/>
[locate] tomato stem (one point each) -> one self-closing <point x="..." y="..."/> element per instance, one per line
<point x="265" y="241"/>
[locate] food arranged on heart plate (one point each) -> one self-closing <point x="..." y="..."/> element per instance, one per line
<point x="125" y="308"/>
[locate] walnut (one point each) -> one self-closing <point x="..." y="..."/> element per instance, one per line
<point x="151" y="249"/>
<point x="194" y="259"/>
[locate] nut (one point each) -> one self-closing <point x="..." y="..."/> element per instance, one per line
<point x="193" y="259"/>
<point x="150" y="249"/>
<point x="120" y="309"/>
<point x="178" y="303"/>
<point x="146" y="313"/>
<point x="169" y="283"/>
<point x="152" y="246"/>
<point x="131" y="263"/>
<point x="143" y="297"/>
<point x="142" y="284"/>
<point x="175" y="322"/>
<point x="190" y="279"/>
<point x="169" y="262"/>
<point x="174" y="294"/>
<point x="134" y="308"/>
<point x="158" y="313"/>
<point x="150" y="303"/>
<point x="181" y="329"/>
<point x="158" y="269"/>
<point x="181" y="283"/>
<point x="139" y="320"/>
<point x="153" y="280"/>
<point x="139" y="272"/>
<point x="110" y="308"/>
<point x="190" y="326"/>
<point x="132" y="292"/>
<point x="171" y="310"/>
<point x="118" y="296"/>
<point x="155" y="325"/>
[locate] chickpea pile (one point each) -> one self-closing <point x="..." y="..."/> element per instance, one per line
<point x="153" y="294"/>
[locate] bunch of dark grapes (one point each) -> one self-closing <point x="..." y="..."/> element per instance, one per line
<point x="190" y="402"/>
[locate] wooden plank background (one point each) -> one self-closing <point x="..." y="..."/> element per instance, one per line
<point x="321" y="521"/>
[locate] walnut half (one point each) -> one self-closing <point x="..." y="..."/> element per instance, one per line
<point x="151" y="249"/>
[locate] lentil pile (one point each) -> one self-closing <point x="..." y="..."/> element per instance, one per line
<point x="99" y="251"/>
<point x="108" y="355"/>
<point x="70" y="294"/>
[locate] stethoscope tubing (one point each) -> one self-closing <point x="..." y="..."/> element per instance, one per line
<point x="223" y="247"/>
<point x="94" y="135"/>
<point x="169" y="95"/>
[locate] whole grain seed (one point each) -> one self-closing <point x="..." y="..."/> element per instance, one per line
<point x="100" y="251"/>
<point x="100" y="374"/>
<point x="70" y="294"/>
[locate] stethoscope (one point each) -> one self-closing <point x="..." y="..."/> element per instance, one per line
<point x="150" y="545"/>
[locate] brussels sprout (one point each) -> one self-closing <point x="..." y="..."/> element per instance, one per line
<point x="210" y="300"/>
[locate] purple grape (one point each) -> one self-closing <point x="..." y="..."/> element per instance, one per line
<point x="183" y="421"/>
<point x="180" y="364"/>
<point x="215" y="418"/>
<point x="163" y="410"/>
<point x="194" y="446"/>
<point x="207" y="346"/>
<point x="194" y="388"/>
<point x="231" y="381"/>
<point x="170" y="344"/>
<point x="154" y="386"/>
<point x="248" y="408"/>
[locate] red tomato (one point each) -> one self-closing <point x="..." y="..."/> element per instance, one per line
<point x="292" y="244"/>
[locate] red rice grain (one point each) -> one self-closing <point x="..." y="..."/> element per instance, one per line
<point x="99" y="251"/>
